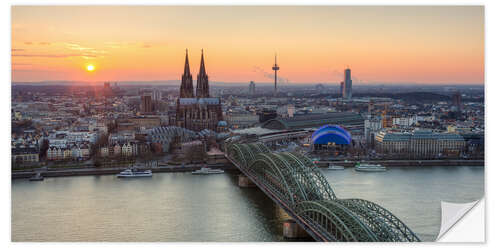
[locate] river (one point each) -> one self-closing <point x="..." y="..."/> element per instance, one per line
<point x="184" y="207"/>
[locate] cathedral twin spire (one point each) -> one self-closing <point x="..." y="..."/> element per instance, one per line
<point x="187" y="81"/>
<point x="202" y="90"/>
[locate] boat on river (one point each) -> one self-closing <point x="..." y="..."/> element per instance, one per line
<point x="37" y="177"/>
<point x="134" y="172"/>
<point x="335" y="167"/>
<point x="366" y="167"/>
<point x="205" y="170"/>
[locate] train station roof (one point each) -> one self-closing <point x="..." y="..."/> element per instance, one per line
<point x="314" y="120"/>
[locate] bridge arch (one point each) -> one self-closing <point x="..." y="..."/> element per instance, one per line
<point x="317" y="185"/>
<point x="335" y="220"/>
<point x="245" y="153"/>
<point x="270" y="173"/>
<point x="303" y="182"/>
<point x="387" y="225"/>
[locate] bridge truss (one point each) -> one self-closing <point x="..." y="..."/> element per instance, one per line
<point x="295" y="183"/>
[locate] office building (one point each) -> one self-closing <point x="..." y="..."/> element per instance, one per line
<point x="251" y="88"/>
<point x="347" y="87"/>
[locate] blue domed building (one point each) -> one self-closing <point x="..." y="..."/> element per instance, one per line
<point x="329" y="136"/>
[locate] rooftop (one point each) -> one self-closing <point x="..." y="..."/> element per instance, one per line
<point x="314" y="120"/>
<point x="420" y="135"/>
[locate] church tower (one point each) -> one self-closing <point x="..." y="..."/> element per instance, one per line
<point x="198" y="112"/>
<point x="202" y="81"/>
<point x="187" y="81"/>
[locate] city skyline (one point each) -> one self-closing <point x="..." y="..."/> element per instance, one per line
<point x="447" y="46"/>
<point x="245" y="123"/>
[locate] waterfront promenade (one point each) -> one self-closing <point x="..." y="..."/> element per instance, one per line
<point x="91" y="170"/>
<point x="113" y="170"/>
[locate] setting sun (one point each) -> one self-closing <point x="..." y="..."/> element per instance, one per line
<point x="90" y="67"/>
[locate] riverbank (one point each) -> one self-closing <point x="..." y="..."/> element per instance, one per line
<point x="231" y="168"/>
<point x="115" y="170"/>
<point x="408" y="163"/>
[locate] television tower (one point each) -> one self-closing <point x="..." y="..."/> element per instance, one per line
<point x="275" y="68"/>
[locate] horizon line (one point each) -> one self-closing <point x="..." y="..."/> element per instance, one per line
<point x="239" y="82"/>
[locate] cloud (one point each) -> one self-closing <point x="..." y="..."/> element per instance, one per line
<point x="75" y="46"/>
<point x="53" y="55"/>
<point x="39" y="43"/>
<point x="114" y="45"/>
<point x="268" y="75"/>
<point x="87" y="52"/>
<point x="118" y="45"/>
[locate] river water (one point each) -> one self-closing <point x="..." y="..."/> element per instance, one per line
<point x="184" y="207"/>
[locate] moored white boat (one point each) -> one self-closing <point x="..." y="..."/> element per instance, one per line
<point x="37" y="177"/>
<point x="335" y="167"/>
<point x="133" y="172"/>
<point x="205" y="170"/>
<point x="365" y="167"/>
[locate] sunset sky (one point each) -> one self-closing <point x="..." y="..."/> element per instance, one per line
<point x="314" y="44"/>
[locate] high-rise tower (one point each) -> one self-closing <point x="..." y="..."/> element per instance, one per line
<point x="187" y="81"/>
<point x="347" y="84"/>
<point x="251" y="88"/>
<point x="457" y="100"/>
<point x="202" y="81"/>
<point x="275" y="68"/>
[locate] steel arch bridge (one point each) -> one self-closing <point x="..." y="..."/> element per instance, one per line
<point x="296" y="185"/>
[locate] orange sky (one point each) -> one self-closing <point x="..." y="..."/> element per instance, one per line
<point x="314" y="44"/>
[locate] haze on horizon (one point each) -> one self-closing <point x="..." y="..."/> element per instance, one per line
<point x="417" y="44"/>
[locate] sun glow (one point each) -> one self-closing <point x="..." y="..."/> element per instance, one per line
<point x="90" y="68"/>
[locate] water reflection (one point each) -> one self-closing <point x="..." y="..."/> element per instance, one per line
<point x="185" y="207"/>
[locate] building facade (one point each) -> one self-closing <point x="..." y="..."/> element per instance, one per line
<point x="146" y="104"/>
<point x="24" y="155"/>
<point x="419" y="144"/>
<point x="242" y="120"/>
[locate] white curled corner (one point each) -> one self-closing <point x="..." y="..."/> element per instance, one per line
<point x="451" y="213"/>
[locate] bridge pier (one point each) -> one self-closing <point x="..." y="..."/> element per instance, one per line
<point x="245" y="182"/>
<point x="292" y="230"/>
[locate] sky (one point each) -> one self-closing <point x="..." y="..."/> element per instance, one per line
<point x="411" y="44"/>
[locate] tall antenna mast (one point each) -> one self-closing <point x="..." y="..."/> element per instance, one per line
<point x="275" y="68"/>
